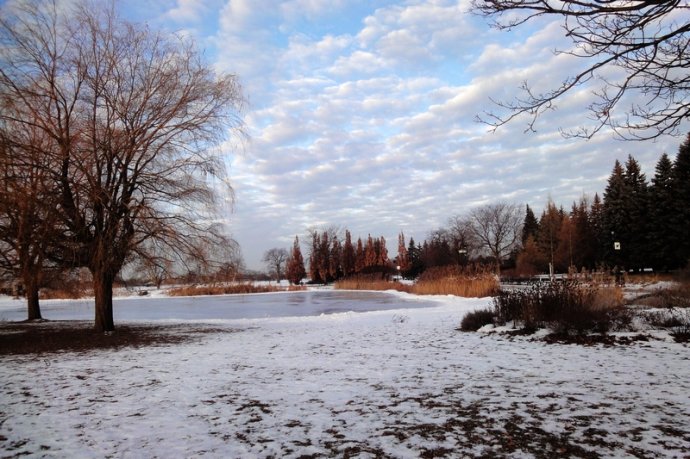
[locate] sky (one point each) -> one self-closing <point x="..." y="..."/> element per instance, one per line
<point x="362" y="115"/>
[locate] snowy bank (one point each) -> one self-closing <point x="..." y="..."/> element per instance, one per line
<point x="395" y="383"/>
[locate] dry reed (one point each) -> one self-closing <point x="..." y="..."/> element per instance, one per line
<point x="448" y="280"/>
<point x="229" y="289"/>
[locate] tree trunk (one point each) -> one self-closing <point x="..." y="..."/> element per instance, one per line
<point x="30" y="278"/>
<point x="32" y="303"/>
<point x="103" y="292"/>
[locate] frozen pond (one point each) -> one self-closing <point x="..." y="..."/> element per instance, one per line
<point x="303" y="303"/>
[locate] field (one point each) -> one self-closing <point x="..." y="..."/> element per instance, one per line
<point x="399" y="383"/>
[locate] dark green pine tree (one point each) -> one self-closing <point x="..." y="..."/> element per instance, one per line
<point x="415" y="266"/>
<point x="596" y="223"/>
<point x="662" y="216"/>
<point x="637" y="253"/>
<point x="615" y="217"/>
<point x="530" y="226"/>
<point x="681" y="190"/>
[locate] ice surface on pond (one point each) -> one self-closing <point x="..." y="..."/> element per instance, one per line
<point x="250" y="306"/>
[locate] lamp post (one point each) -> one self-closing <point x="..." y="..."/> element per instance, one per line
<point x="463" y="255"/>
<point x="617" y="251"/>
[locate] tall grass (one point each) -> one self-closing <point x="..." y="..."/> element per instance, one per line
<point x="227" y="289"/>
<point x="470" y="282"/>
<point x="367" y="283"/>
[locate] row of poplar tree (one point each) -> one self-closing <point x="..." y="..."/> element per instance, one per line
<point x="638" y="224"/>
<point x="330" y="259"/>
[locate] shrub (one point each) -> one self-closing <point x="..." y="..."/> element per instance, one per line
<point x="567" y="307"/>
<point x="475" y="320"/>
<point x="677" y="321"/>
<point x="510" y="304"/>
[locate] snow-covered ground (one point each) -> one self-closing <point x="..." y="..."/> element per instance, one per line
<point x="395" y="383"/>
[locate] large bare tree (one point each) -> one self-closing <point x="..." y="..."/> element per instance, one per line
<point x="134" y="118"/>
<point x="497" y="228"/>
<point x="638" y="48"/>
<point x="275" y="260"/>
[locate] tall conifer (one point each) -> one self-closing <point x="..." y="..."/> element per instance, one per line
<point x="530" y="227"/>
<point x="681" y="190"/>
<point x="636" y="254"/>
<point x="662" y="217"/>
<point x="295" y="271"/>
<point x="615" y="217"/>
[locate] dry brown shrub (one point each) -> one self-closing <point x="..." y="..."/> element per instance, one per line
<point x="69" y="292"/>
<point x="608" y="297"/>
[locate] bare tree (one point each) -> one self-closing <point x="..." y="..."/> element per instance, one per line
<point x="497" y="228"/>
<point x="27" y="209"/>
<point x="275" y="259"/>
<point x="463" y="237"/>
<point x="133" y="117"/>
<point x="638" y="47"/>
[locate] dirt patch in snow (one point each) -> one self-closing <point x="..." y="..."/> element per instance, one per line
<point x="46" y="337"/>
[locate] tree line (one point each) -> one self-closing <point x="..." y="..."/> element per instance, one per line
<point x="637" y="224"/>
<point x="107" y="136"/>
<point x="330" y="260"/>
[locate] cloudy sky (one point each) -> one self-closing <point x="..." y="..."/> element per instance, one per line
<point x="361" y="114"/>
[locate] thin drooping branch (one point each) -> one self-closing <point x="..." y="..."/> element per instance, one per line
<point x="644" y="42"/>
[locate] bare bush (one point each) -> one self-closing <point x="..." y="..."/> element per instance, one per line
<point x="566" y="307"/>
<point x="473" y="321"/>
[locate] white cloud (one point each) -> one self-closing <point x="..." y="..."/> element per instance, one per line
<point x="373" y="128"/>
<point x="187" y="11"/>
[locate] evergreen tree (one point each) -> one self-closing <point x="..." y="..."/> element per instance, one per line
<point x="596" y="223"/>
<point x="681" y="191"/>
<point x="295" y="271"/>
<point x="615" y="217"/>
<point x="415" y="262"/>
<point x="662" y="215"/>
<point x="315" y="259"/>
<point x="636" y="254"/>
<point x="530" y="226"/>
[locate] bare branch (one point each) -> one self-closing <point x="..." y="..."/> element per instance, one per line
<point x="645" y="40"/>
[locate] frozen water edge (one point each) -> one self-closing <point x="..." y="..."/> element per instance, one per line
<point x="397" y="383"/>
